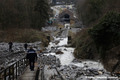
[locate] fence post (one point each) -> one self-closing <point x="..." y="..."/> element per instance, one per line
<point x="24" y="63"/>
<point x="16" y="69"/>
<point x="9" y="73"/>
<point x="5" y="74"/>
<point x="48" y="38"/>
<point x="13" y="71"/>
<point x="69" y="39"/>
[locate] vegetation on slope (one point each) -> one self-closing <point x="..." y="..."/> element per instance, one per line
<point x="22" y="20"/>
<point x="85" y="46"/>
<point x="90" y="11"/>
<point x="23" y="35"/>
<point x="102" y="39"/>
<point x="106" y="33"/>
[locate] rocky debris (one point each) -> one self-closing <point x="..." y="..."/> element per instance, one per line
<point x="10" y="58"/>
<point x="51" y="73"/>
<point x="56" y="42"/>
<point x="76" y="60"/>
<point x="65" y="49"/>
<point x="54" y="71"/>
<point x="59" y="52"/>
<point x="73" y="72"/>
<point x="50" y="60"/>
<point x="55" y="77"/>
<point x="77" y="70"/>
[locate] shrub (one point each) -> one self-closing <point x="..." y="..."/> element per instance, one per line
<point x="85" y="46"/>
<point x="23" y="35"/>
<point x="106" y="33"/>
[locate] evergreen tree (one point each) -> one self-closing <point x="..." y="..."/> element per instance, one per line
<point x="42" y="9"/>
<point x="11" y="13"/>
<point x="23" y="13"/>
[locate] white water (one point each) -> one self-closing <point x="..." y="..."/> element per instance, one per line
<point x="67" y="59"/>
<point x="68" y="56"/>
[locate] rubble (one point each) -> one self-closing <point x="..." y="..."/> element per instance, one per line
<point x="66" y="67"/>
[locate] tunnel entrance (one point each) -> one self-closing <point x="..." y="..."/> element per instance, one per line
<point x="67" y="18"/>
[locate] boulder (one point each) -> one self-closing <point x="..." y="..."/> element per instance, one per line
<point x="59" y="52"/>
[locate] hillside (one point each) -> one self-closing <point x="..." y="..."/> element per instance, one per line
<point x="100" y="40"/>
<point x="23" y="35"/>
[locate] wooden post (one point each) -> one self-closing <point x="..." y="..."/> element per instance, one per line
<point x="16" y="69"/>
<point x="5" y="74"/>
<point x="69" y="39"/>
<point x="48" y="38"/>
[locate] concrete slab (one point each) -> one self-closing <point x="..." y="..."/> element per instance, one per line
<point x="28" y="74"/>
<point x="27" y="78"/>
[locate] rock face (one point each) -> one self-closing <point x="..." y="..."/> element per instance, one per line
<point x="59" y="52"/>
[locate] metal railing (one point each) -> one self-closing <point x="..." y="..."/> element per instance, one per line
<point x="42" y="73"/>
<point x="14" y="70"/>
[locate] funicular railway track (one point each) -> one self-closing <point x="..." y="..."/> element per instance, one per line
<point x="7" y="58"/>
<point x="11" y="54"/>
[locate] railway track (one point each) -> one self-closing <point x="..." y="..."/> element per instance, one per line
<point x="9" y="58"/>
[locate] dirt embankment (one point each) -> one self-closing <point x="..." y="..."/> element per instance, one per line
<point x="112" y="58"/>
